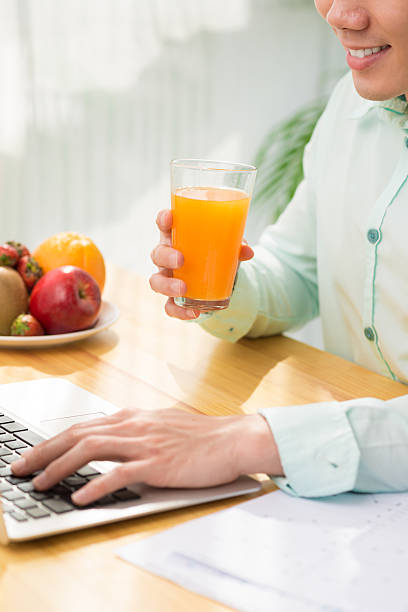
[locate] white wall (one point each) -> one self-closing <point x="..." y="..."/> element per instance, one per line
<point x="98" y="95"/>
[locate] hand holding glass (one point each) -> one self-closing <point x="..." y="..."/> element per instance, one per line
<point x="210" y="202"/>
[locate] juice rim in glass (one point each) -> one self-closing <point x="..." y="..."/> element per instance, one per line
<point x="210" y="201"/>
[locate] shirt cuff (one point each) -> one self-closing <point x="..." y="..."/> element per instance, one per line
<point x="235" y="321"/>
<point x="318" y="451"/>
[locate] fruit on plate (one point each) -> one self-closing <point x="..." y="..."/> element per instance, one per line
<point x="8" y="255"/>
<point x="29" y="271"/>
<point x="26" y="325"/>
<point x="66" y="299"/>
<point x="71" y="249"/>
<point x="13" y="298"/>
<point x="20" y="248"/>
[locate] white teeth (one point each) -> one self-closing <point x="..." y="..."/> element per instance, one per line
<point x="364" y="52"/>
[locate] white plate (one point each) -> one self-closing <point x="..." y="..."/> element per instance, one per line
<point x="108" y="315"/>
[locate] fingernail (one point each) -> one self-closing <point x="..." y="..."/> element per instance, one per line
<point x="180" y="288"/>
<point x="40" y="480"/>
<point x="19" y="465"/>
<point x="175" y="260"/>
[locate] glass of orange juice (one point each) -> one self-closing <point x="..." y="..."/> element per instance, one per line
<point x="210" y="202"/>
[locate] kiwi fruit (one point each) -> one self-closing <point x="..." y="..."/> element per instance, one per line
<point x="13" y="298"/>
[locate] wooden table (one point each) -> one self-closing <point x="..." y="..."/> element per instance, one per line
<point x="152" y="361"/>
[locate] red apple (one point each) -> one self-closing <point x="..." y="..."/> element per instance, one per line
<point x="66" y="299"/>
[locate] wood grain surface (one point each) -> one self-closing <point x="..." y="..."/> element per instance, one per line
<point x="149" y="360"/>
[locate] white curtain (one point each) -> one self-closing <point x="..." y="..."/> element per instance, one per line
<point x="96" y="96"/>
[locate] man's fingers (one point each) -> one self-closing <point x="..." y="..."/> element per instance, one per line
<point x="165" y="256"/>
<point x="178" y="312"/>
<point x="123" y="475"/>
<point x="172" y="287"/>
<point x="164" y="222"/>
<point x="42" y="454"/>
<point x="91" y="448"/>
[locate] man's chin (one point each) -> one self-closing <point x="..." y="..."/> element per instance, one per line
<point x="367" y="88"/>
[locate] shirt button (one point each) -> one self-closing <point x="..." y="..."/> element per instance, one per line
<point x="373" y="235"/>
<point x="369" y="333"/>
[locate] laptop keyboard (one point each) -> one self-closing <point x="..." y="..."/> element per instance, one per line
<point x="18" y="496"/>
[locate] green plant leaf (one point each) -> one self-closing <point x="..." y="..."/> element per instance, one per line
<point x="280" y="161"/>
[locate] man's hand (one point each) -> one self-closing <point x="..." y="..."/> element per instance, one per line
<point x="168" y="259"/>
<point x="164" y="448"/>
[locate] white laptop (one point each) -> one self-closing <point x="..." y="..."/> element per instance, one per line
<point x="35" y="410"/>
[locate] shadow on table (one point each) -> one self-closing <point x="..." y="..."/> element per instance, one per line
<point x="222" y="381"/>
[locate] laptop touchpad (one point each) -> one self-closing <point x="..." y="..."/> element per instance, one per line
<point x="55" y="426"/>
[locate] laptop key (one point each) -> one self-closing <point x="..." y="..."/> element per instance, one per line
<point x="14" y="426"/>
<point x="25" y="503"/>
<point x="18" y="516"/>
<point x="61" y="490"/>
<point x="5" y="471"/>
<point x="5" y="419"/>
<point x="27" y="487"/>
<point x="15" y="444"/>
<point x="57" y="505"/>
<point x="30" y="437"/>
<point x="7" y="507"/>
<point x="4" y="486"/>
<point x="87" y="470"/>
<point x="6" y="437"/>
<point x="125" y="495"/>
<point x="12" y="495"/>
<point x="40" y="495"/>
<point x="75" y="481"/>
<point x="17" y="479"/>
<point x="105" y="500"/>
<point x="5" y="451"/>
<point x="37" y="512"/>
<point x="10" y="458"/>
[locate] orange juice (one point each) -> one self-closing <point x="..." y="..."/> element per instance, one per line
<point x="208" y="226"/>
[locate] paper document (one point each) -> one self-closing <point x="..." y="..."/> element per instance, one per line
<point x="346" y="553"/>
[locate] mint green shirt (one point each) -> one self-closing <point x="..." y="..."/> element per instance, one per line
<point x="341" y="249"/>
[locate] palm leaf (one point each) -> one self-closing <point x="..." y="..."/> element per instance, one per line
<point x="279" y="162"/>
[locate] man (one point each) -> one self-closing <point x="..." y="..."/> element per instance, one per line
<point x="340" y="246"/>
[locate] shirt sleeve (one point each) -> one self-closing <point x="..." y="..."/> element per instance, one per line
<point x="277" y="289"/>
<point x="333" y="447"/>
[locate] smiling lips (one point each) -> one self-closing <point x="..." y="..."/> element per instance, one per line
<point x="365" y="52"/>
<point x="359" y="59"/>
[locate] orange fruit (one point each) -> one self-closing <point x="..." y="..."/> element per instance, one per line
<point x="71" y="249"/>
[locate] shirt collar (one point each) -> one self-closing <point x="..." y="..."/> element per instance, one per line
<point x="393" y="111"/>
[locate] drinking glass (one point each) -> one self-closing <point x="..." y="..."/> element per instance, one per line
<point x="210" y="202"/>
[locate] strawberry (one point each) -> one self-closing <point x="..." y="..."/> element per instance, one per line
<point x="26" y="325"/>
<point x="20" y="248"/>
<point x="29" y="270"/>
<point x="8" y="255"/>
